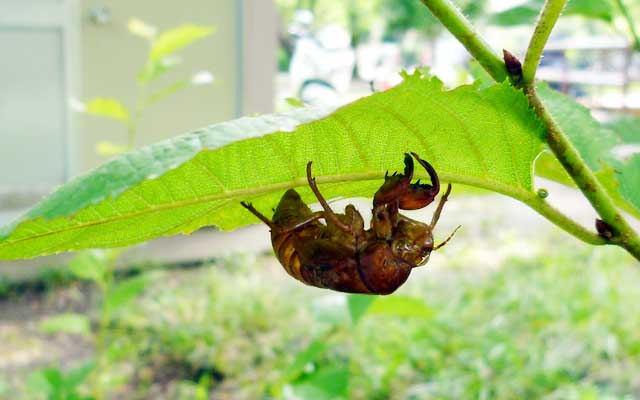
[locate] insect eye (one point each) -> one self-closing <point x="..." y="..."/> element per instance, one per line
<point x="402" y="247"/>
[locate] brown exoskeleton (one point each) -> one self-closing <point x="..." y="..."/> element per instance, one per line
<point x="342" y="255"/>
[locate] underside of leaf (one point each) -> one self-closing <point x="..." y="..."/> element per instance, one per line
<point x="486" y="138"/>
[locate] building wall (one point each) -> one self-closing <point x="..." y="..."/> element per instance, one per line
<point x="111" y="58"/>
<point x="53" y="52"/>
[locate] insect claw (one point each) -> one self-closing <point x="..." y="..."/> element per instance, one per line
<point x="386" y="174"/>
<point x="395" y="173"/>
<point x="418" y="182"/>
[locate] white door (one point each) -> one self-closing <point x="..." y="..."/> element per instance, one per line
<point x="35" y="83"/>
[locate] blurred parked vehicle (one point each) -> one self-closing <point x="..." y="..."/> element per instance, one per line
<point x="322" y="64"/>
<point x="379" y="62"/>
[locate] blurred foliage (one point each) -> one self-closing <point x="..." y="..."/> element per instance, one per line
<point x="360" y="15"/>
<point x="556" y="326"/>
<point x="620" y="14"/>
<point x="527" y="12"/>
<point x="402" y="15"/>
<point x="97" y="267"/>
<point x="76" y="324"/>
<point x="56" y="384"/>
<point x="626" y="128"/>
<point x="162" y="58"/>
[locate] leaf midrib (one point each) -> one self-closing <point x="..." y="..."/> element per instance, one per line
<point x="516" y="192"/>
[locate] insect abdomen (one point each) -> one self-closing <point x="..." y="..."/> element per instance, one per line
<point x="283" y="246"/>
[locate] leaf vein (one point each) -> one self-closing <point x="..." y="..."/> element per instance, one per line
<point x="209" y="172"/>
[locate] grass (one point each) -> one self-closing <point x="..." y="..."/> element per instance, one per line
<point x="563" y="323"/>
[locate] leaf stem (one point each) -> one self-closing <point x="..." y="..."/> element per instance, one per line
<point x="547" y="20"/>
<point x="461" y="28"/>
<point x="632" y="28"/>
<point x="562" y="221"/>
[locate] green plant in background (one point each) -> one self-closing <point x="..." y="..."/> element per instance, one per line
<point x="488" y="136"/>
<point x="553" y="326"/>
<point x="401" y="15"/>
<point x="162" y="59"/>
<point x="98" y="266"/>
<point x="604" y="10"/>
<point x="58" y="385"/>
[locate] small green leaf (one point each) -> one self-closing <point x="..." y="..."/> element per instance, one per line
<point x="54" y="378"/>
<point x="315" y="349"/>
<point x="76" y="324"/>
<point x="325" y="383"/>
<point x="358" y="305"/>
<point x="37" y="383"/>
<point x="125" y="292"/>
<point x="79" y="375"/>
<point x="109" y="149"/>
<point x="90" y="265"/>
<point x="140" y="28"/>
<point x="175" y="39"/>
<point x="400" y="306"/>
<point x="155" y="69"/>
<point x="168" y="91"/>
<point x="292" y="101"/>
<point x="109" y="108"/>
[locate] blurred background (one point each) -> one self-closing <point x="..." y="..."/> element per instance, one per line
<point x="512" y="308"/>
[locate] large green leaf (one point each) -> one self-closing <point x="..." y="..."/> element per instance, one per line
<point x="486" y="138"/>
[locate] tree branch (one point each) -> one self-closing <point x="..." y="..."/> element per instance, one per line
<point x="547" y="20"/>
<point x="461" y="28"/>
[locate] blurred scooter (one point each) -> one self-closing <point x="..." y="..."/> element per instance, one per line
<point x="379" y="62"/>
<point x="322" y="64"/>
